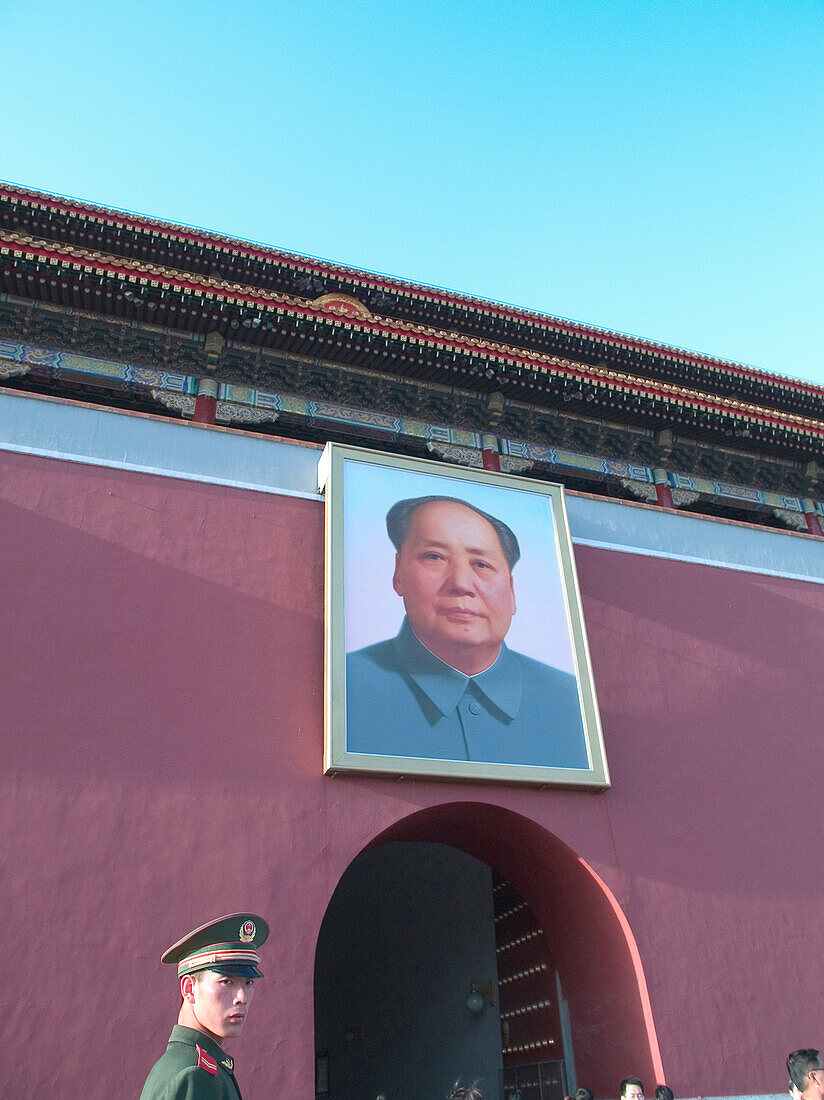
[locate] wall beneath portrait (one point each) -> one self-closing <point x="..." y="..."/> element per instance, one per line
<point x="162" y="764"/>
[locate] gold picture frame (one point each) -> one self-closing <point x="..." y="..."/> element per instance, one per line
<point x="396" y="702"/>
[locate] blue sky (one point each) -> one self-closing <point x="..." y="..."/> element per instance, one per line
<point x="654" y="168"/>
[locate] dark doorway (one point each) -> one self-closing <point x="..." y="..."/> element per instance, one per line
<point x="407" y="935"/>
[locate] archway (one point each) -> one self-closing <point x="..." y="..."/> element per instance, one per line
<point x="610" y="1022"/>
<point x="407" y="935"/>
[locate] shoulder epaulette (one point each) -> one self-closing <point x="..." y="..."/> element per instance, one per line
<point x="205" y="1061"/>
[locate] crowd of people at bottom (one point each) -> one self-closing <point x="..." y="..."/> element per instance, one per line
<point x="804" y="1066"/>
<point x="631" y="1089"/>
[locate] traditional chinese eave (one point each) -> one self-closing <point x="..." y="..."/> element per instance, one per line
<point x="339" y="328"/>
<point x="124" y="311"/>
<point x="194" y="255"/>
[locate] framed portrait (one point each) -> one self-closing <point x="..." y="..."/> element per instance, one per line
<point x="455" y="643"/>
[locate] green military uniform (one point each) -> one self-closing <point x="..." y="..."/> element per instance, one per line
<point x="194" y="1067"/>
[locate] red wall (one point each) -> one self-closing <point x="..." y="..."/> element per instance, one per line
<point x="162" y="735"/>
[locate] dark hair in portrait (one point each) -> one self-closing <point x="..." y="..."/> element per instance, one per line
<point x="664" y="1092"/>
<point x="799" y="1064"/>
<point x="584" y="1094"/>
<point x="399" y="517"/>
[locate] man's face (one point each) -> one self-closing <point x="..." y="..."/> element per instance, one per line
<point x="633" y="1092"/>
<point x="220" y="1003"/>
<point x="456" y="585"/>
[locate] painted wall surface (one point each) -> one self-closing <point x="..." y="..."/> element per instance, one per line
<point x="161" y="740"/>
<point x="432" y="904"/>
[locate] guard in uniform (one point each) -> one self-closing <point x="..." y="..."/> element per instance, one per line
<point x="217" y="966"/>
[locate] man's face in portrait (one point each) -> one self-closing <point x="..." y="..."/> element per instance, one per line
<point x="456" y="585"/>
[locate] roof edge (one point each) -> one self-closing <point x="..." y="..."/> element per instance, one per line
<point x="378" y="280"/>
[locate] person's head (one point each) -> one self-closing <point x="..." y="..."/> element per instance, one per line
<point x="584" y="1094"/>
<point x="215" y="1003"/>
<point x="453" y="570"/>
<point x="632" y="1089"/>
<point x="471" y="1092"/>
<point x="806" y="1072"/>
<point x="217" y="965"/>
<point x="664" y="1092"/>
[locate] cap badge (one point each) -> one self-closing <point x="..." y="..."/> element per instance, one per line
<point x="247" y="931"/>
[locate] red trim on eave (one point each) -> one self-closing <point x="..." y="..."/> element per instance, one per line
<point x="467" y="301"/>
<point x="661" y="391"/>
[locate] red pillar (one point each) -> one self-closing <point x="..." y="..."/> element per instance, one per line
<point x="812" y="520"/>
<point x="490" y="458"/>
<point x="205" y="402"/>
<point x="663" y="493"/>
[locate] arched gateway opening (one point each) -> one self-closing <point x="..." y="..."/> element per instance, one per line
<point x="470" y="898"/>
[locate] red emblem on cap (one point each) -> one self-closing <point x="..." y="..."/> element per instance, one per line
<point x="247" y="931"/>
<point x="205" y="1061"/>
